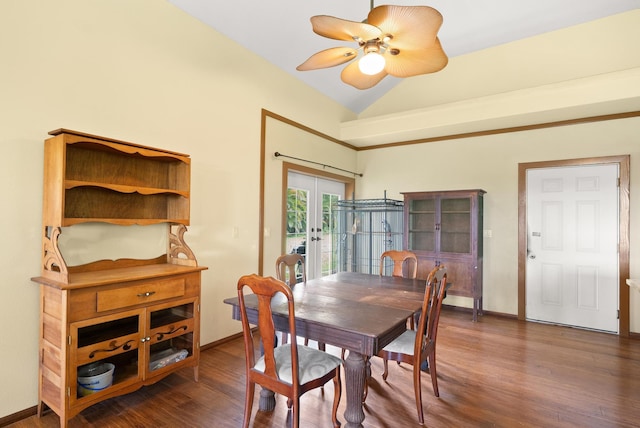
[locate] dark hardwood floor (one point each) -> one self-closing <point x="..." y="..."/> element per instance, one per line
<point x="497" y="372"/>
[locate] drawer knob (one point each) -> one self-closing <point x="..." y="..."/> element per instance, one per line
<point x="146" y="294"/>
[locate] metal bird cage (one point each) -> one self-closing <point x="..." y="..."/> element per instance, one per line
<point x="367" y="228"/>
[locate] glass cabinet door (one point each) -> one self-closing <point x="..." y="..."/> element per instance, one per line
<point x="111" y="342"/>
<point x="422" y="224"/>
<point x="455" y="225"/>
<point x="171" y="334"/>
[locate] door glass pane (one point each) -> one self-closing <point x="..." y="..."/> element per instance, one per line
<point x="105" y="331"/>
<point x="455" y="225"/>
<point x="296" y="238"/>
<point x="422" y="219"/>
<point x="328" y="240"/>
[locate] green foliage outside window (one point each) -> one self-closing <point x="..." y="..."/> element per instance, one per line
<point x="296" y="211"/>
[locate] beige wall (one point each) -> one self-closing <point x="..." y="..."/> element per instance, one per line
<point x="140" y="71"/>
<point x="146" y="72"/>
<point x="491" y="163"/>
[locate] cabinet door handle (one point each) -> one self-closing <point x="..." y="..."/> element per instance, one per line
<point x="145" y="339"/>
<point x="146" y="294"/>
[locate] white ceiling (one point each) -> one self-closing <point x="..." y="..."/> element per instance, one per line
<point x="280" y="31"/>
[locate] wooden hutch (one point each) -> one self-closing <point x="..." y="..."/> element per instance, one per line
<point x="126" y="312"/>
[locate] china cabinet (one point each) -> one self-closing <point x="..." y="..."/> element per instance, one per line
<point x="446" y="228"/>
<point x="141" y="316"/>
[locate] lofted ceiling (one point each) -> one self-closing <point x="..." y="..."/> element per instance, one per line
<point x="280" y="31"/>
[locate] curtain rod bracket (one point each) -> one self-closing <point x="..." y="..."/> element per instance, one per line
<point x="278" y="154"/>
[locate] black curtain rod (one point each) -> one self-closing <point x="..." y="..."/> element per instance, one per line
<point x="278" y="154"/>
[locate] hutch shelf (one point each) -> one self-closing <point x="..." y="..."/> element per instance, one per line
<point x="128" y="312"/>
<point x="446" y="228"/>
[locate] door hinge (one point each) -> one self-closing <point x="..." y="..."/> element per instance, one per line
<point x="69" y="340"/>
<point x="618" y="313"/>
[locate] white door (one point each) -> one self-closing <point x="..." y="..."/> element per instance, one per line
<point x="310" y="221"/>
<point x="572" y="246"/>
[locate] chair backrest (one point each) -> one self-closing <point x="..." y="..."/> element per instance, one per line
<point x="289" y="264"/>
<point x="430" y="313"/>
<point x="437" y="273"/>
<point x="264" y="290"/>
<point x="399" y="259"/>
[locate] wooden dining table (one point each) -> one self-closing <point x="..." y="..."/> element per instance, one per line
<point x="358" y="312"/>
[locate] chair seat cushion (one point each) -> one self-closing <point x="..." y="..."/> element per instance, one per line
<point x="403" y="344"/>
<point x="312" y="363"/>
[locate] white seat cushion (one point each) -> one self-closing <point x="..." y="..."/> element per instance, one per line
<point x="312" y="363"/>
<point x="403" y="344"/>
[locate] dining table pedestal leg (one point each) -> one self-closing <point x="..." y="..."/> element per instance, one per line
<point x="355" y="377"/>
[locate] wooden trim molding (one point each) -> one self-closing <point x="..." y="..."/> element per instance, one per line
<point x="222" y="341"/>
<point x="497" y="131"/>
<point x="18" y="416"/>
<point x="623" y="162"/>
<point x="267" y="113"/>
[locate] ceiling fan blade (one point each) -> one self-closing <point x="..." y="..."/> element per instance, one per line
<point x="352" y="75"/>
<point x="412" y="27"/>
<point x="342" y="29"/>
<point x="417" y="61"/>
<point x="328" y="58"/>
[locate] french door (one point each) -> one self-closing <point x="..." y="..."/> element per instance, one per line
<point x="310" y="221"/>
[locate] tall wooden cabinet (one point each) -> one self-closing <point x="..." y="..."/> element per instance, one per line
<point x="142" y="316"/>
<point x="446" y="228"/>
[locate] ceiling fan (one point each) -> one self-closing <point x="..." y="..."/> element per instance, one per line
<point x="397" y="40"/>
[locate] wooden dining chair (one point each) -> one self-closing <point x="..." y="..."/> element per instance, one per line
<point x="291" y="270"/>
<point x="400" y="259"/>
<point x="291" y="369"/>
<point x="416" y="346"/>
<point x="403" y="261"/>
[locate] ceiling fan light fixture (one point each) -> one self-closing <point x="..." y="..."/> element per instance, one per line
<point x="400" y="41"/>
<point x="372" y="63"/>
